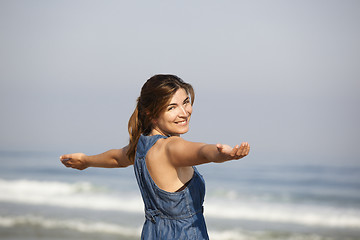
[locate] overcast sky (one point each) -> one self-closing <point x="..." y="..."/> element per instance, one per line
<point x="282" y="75"/>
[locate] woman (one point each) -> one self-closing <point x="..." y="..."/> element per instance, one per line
<point x="172" y="189"/>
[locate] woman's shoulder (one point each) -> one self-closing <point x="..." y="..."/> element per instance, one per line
<point x="163" y="145"/>
<point x="175" y="142"/>
<point x="163" y="142"/>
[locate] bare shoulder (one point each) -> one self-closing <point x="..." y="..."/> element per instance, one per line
<point x="168" y="143"/>
<point x="175" y="141"/>
<point x="182" y="153"/>
<point x="157" y="160"/>
<point x="177" y="152"/>
<point x="162" y="149"/>
<point x="175" y="144"/>
<point x="157" y="150"/>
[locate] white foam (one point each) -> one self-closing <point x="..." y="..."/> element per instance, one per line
<point x="237" y="234"/>
<point x="87" y="196"/>
<point x="230" y="235"/>
<point x="70" y="195"/>
<point x="284" y="213"/>
<point x="86" y="226"/>
<point x="72" y="224"/>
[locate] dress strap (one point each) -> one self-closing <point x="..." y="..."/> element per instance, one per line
<point x="151" y="214"/>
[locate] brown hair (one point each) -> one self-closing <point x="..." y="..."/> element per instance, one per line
<point x="155" y="95"/>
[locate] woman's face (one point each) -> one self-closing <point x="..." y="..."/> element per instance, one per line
<point x="175" y="119"/>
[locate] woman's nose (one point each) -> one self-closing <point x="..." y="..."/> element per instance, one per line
<point x="183" y="111"/>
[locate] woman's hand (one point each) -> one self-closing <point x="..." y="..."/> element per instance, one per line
<point x="229" y="153"/>
<point x="75" y="160"/>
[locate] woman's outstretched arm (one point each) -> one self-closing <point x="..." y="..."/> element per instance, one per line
<point x="184" y="153"/>
<point x="113" y="158"/>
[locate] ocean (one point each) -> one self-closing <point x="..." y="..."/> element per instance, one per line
<point x="245" y="200"/>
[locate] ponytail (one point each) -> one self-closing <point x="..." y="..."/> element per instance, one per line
<point x="134" y="128"/>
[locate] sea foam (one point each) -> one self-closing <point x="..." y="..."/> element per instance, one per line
<point x="86" y="226"/>
<point x="70" y="195"/>
<point x="89" y="196"/>
<point x="72" y="224"/>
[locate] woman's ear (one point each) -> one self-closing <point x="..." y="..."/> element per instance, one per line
<point x="151" y="118"/>
<point x="148" y="116"/>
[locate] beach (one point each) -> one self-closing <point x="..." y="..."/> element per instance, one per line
<point x="41" y="199"/>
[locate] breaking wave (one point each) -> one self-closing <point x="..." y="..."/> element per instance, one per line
<point x="89" y="196"/>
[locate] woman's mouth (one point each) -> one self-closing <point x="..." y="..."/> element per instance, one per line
<point x="184" y="122"/>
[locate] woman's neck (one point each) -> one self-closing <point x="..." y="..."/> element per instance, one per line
<point x="156" y="131"/>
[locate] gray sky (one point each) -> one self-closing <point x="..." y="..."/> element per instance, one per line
<point x="282" y="75"/>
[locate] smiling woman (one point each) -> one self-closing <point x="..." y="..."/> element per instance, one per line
<point x="171" y="187"/>
<point x="175" y="119"/>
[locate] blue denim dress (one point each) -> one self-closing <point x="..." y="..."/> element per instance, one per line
<point x="169" y="215"/>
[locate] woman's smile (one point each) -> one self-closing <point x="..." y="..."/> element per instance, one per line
<point x="184" y="122"/>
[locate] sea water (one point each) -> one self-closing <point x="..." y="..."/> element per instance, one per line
<point x="42" y="199"/>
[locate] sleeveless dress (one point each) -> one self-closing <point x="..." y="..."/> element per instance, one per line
<point x="169" y="215"/>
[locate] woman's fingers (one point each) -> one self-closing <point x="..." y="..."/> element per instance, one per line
<point x="247" y="149"/>
<point x="74" y="160"/>
<point x="65" y="157"/>
<point x="68" y="160"/>
<point x="234" y="151"/>
<point x="237" y="152"/>
<point x="243" y="150"/>
<point x="74" y="164"/>
<point x="219" y="147"/>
